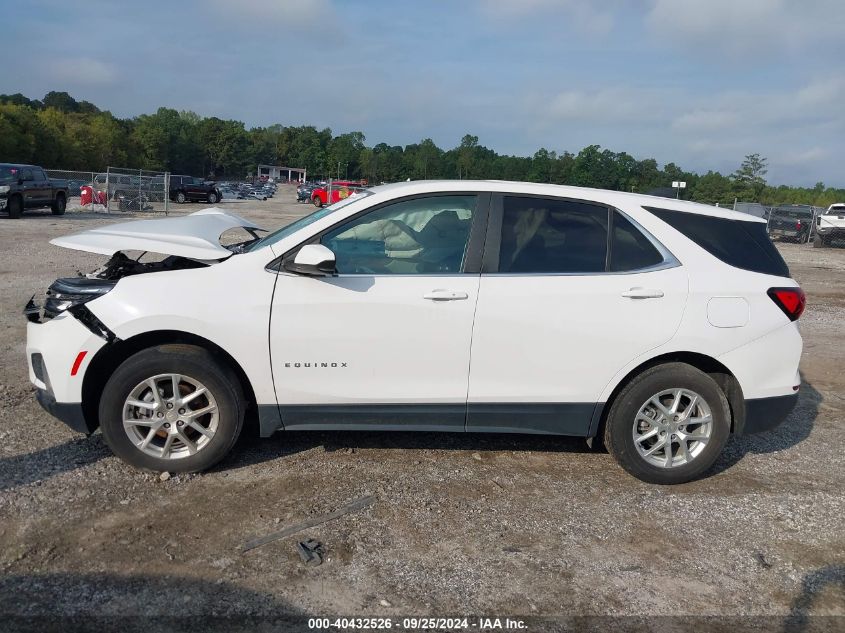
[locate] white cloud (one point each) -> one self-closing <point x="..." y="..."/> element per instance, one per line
<point x="611" y="105"/>
<point x="80" y="71"/>
<point x="803" y="157"/>
<point x="752" y="27"/>
<point x="586" y="15"/>
<point x="706" y="120"/>
<point x="291" y="13"/>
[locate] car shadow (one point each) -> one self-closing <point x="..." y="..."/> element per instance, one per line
<point x="143" y="603"/>
<point x="20" y="470"/>
<point x="799" y="618"/>
<point x="792" y="431"/>
<point x="252" y="450"/>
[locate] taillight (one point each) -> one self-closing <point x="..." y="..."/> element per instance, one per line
<point x="798" y="225"/>
<point x="791" y="300"/>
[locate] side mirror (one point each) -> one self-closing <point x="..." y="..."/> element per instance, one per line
<point x="314" y="260"/>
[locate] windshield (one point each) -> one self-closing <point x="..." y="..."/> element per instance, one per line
<point x="8" y="172"/>
<point x="301" y="223"/>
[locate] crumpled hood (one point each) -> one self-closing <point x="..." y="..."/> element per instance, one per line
<point x="194" y="236"/>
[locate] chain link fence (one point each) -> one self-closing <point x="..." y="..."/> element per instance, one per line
<point x="116" y="190"/>
<point x="796" y="223"/>
<point x="134" y="189"/>
<point x="81" y="190"/>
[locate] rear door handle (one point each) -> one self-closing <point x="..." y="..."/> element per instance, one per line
<point x="445" y="295"/>
<point x="643" y="293"/>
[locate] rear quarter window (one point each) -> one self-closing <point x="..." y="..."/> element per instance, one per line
<point x="738" y="243"/>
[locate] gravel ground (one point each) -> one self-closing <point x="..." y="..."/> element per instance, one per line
<point x="499" y="525"/>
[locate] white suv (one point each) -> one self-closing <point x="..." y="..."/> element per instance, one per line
<point x="656" y="326"/>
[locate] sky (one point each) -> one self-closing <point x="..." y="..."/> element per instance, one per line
<point x="700" y="83"/>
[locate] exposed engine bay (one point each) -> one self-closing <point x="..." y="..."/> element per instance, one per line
<point x="121" y="265"/>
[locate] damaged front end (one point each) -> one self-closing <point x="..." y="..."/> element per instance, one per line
<point x="70" y="294"/>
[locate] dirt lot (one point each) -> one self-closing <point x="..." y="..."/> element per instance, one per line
<point x="471" y="524"/>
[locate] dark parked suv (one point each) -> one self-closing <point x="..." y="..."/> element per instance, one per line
<point x="188" y="188"/>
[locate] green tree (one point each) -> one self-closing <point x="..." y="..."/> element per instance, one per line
<point x="749" y="179"/>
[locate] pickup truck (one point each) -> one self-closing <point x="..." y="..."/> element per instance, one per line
<point x="27" y="187"/>
<point x="830" y="225"/>
<point x="792" y="222"/>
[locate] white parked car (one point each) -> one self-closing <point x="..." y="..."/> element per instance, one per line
<point x="658" y="326"/>
<point x="830" y="225"/>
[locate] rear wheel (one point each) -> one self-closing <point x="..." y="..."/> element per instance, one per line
<point x="59" y="205"/>
<point x="668" y="425"/>
<point x="172" y="408"/>
<point x="180" y="197"/>
<point x="212" y="198"/>
<point x="15" y="207"/>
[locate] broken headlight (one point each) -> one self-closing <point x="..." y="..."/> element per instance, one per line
<point x="66" y="293"/>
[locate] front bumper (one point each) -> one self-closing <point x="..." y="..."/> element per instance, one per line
<point x="68" y="412"/>
<point x="830" y="231"/>
<point x="784" y="233"/>
<point x="764" y="414"/>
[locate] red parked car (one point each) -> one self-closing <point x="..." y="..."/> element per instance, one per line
<point x="341" y="189"/>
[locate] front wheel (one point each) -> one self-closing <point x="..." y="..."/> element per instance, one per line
<point x="172" y="408"/>
<point x="212" y="198"/>
<point x="317" y="202"/>
<point x="59" y="205"/>
<point x="15" y="207"/>
<point x="668" y="425"/>
<point x="180" y="197"/>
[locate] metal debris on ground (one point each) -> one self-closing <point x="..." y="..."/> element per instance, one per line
<point x="353" y="506"/>
<point x="762" y="560"/>
<point x="310" y="551"/>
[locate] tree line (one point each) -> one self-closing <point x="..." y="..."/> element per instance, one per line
<point x="60" y="132"/>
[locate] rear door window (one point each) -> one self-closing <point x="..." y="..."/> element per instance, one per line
<point x="630" y="249"/>
<point x="739" y="243"/>
<point x="547" y="235"/>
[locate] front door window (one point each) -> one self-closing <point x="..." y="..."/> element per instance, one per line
<point x="420" y="236"/>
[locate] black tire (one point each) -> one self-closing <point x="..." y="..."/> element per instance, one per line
<point x="212" y="198"/>
<point x="188" y="360"/>
<point x="317" y="202"/>
<point x="618" y="435"/>
<point x="59" y="205"/>
<point x="15" y="207"/>
<point x="180" y="197"/>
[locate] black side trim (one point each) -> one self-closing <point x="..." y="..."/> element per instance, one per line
<point x="552" y="418"/>
<point x="269" y="419"/>
<point x="578" y="419"/>
<point x="68" y="412"/>
<point x="375" y="417"/>
<point x="764" y="414"/>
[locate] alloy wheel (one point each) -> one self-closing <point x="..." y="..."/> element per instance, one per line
<point x="672" y="428"/>
<point x="170" y="416"/>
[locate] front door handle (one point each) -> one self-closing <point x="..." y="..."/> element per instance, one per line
<point x="445" y="295"/>
<point x="643" y="293"/>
